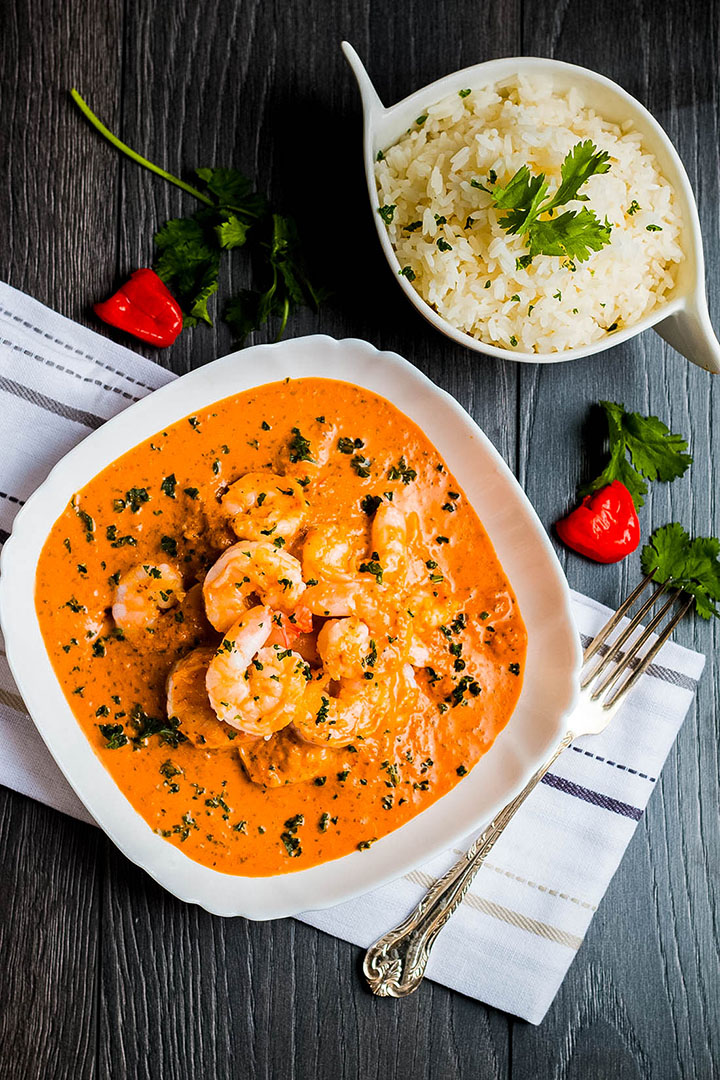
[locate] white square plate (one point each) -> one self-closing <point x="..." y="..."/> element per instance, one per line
<point x="551" y="669"/>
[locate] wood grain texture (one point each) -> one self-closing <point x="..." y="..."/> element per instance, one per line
<point x="50" y="884"/>
<point x="105" y="974"/>
<point x="635" y="1002"/>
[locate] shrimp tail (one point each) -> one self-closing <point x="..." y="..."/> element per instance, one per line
<point x="302" y="619"/>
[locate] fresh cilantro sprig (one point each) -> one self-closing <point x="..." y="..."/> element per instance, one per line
<point x="574" y="234"/>
<point x="288" y="285"/>
<point x="641" y="448"/>
<point x="191" y="248"/>
<point x="691" y="565"/>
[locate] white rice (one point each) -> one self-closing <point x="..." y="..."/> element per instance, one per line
<point x="549" y="306"/>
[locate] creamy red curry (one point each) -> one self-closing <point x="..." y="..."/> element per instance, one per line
<point x="281" y="626"/>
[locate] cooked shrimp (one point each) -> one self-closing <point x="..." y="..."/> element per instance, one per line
<point x="388" y="539"/>
<point x="430" y="608"/>
<point x="285" y="759"/>
<point x="264" y="506"/>
<point x="346" y="648"/>
<point x="249" y="568"/>
<point x="330" y="562"/>
<point x="188" y="701"/>
<point x="252" y="688"/>
<point x="143" y="593"/>
<point x="327" y="719"/>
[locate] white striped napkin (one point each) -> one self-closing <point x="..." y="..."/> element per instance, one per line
<point x="519" y="928"/>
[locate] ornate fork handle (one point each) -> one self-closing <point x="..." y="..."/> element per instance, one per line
<point x="395" y="965"/>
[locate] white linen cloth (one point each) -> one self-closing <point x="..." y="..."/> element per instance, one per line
<point x="524" y="919"/>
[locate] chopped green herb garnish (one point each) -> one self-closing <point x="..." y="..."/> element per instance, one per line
<point x="401" y="471"/>
<point x="166" y="728"/>
<point x="299" y="448"/>
<point x="370" y="503"/>
<point x="168" y="545"/>
<point x="86" y="520"/>
<point x="372" y="567"/>
<point x="362" y="465"/>
<point x="349" y="446"/>
<point x="119" y="541"/>
<point x="115" y="735"/>
<point x="135" y="498"/>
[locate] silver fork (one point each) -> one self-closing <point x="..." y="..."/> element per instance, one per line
<point x="395" y="965"/>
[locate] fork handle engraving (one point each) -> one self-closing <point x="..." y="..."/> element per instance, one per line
<point x="395" y="965"/>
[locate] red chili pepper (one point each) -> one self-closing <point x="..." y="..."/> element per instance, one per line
<point x="604" y="527"/>
<point x="144" y="307"/>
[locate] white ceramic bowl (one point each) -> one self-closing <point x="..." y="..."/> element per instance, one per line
<point x="682" y="319"/>
<point x="520" y="541"/>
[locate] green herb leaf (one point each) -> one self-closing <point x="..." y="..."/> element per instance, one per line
<point x="692" y="565"/>
<point x="289" y="286"/>
<point x="574" y="234"/>
<point x="231" y="231"/>
<point x="231" y="189"/>
<point x="655" y="452"/>
<point x="582" y="162"/>
<point x="189" y="264"/>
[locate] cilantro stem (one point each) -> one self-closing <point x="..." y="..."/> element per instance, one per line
<point x="286" y="312"/>
<point x="129" y="152"/>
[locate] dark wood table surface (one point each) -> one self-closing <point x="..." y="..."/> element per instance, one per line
<point x="103" y="973"/>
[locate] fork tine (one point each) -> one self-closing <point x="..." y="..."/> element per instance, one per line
<point x="614" y="619"/>
<point x="626" y="660"/>
<point x="623" y="637"/>
<point x="644" y="664"/>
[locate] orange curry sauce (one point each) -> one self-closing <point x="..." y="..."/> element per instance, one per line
<point x="160" y="502"/>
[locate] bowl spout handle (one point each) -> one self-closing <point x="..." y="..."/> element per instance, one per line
<point x="690" y="331"/>
<point x="372" y="105"/>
